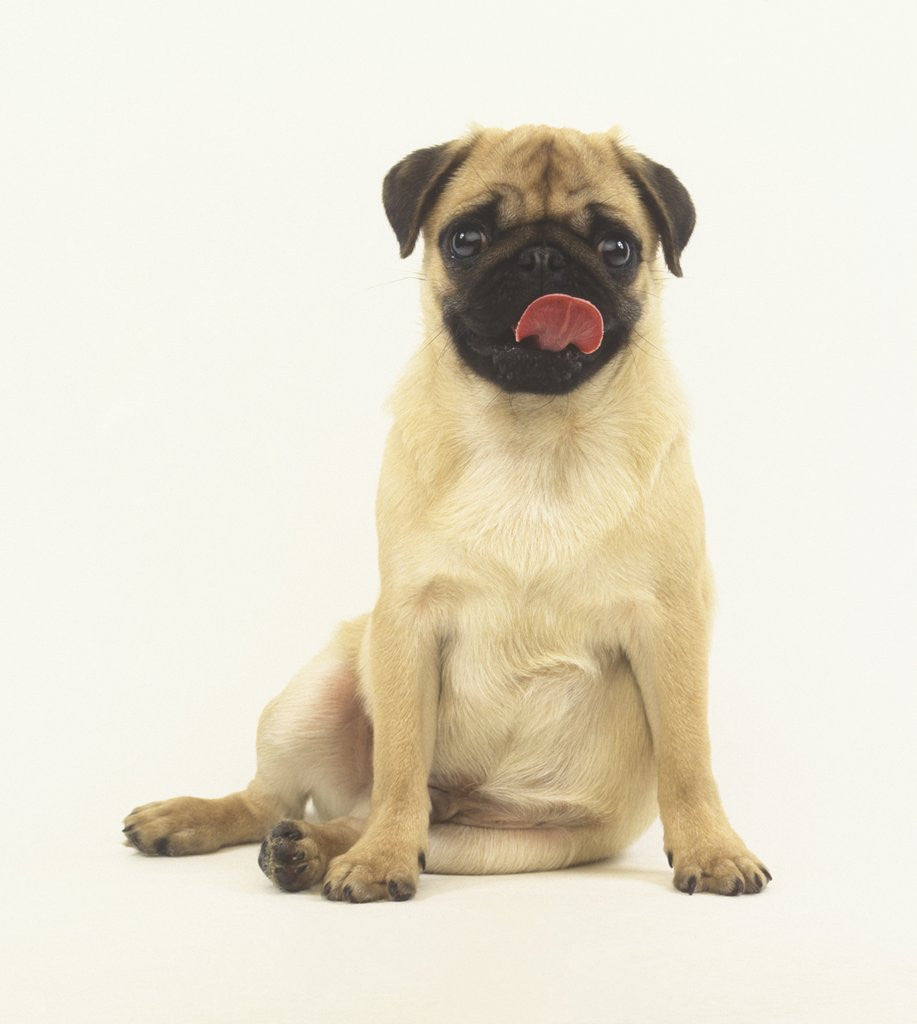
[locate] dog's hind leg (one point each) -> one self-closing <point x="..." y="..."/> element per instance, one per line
<point x="474" y="850"/>
<point x="314" y="739"/>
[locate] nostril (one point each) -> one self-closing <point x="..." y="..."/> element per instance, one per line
<point x="541" y="257"/>
<point x="555" y="259"/>
<point x="527" y="259"/>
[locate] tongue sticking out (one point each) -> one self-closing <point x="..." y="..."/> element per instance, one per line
<point x="556" y="321"/>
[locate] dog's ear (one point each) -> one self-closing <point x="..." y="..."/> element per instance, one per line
<point x="411" y="188"/>
<point x="667" y="201"/>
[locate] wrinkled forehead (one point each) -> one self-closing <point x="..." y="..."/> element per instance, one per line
<point x="534" y="174"/>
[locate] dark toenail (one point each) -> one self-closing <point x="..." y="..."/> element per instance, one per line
<point x="766" y="872"/>
<point x="737" y="887"/>
<point x="422" y="861"/>
<point x="759" y="882"/>
<point x="399" y="894"/>
<point x="668" y="854"/>
<point x="161" y="846"/>
<point x="348" y="894"/>
<point x="692" y="885"/>
<point x="263" y="857"/>
<point x="326" y="889"/>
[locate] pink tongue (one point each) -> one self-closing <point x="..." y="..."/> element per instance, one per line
<point x="556" y="321"/>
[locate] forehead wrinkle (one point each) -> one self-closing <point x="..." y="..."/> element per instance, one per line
<point x="524" y="171"/>
<point x="496" y="194"/>
<point x="512" y="207"/>
<point x="609" y="211"/>
<point x="554" y="179"/>
<point x="486" y="156"/>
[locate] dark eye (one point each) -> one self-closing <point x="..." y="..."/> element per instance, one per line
<point x="466" y="241"/>
<point x="615" y="251"/>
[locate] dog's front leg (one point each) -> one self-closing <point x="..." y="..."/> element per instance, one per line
<point x="402" y="667"/>
<point x="669" y="655"/>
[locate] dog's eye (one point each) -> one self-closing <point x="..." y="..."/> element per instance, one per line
<point x="616" y="252"/>
<point x="467" y="240"/>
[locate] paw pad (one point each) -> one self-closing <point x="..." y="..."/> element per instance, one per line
<point x="291" y="858"/>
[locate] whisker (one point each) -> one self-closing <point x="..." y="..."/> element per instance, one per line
<point x="492" y="402"/>
<point x="643" y="338"/>
<point x="396" y="280"/>
<point x="430" y="340"/>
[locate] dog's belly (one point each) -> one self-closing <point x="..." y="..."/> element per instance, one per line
<point x="532" y="732"/>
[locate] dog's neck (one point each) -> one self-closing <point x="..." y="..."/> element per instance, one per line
<point x="632" y="405"/>
<point x="605" y="440"/>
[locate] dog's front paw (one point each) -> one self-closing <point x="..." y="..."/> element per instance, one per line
<point x="293" y="856"/>
<point x="369" y="872"/>
<point x="728" y="868"/>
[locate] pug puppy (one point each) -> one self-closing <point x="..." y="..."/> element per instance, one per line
<point x="531" y="685"/>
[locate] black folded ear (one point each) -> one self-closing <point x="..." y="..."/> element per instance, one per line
<point x="667" y="201"/>
<point x="411" y="188"/>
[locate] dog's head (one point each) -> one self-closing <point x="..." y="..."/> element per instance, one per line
<point x="511" y="216"/>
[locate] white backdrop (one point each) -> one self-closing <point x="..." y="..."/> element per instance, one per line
<point x="202" y="313"/>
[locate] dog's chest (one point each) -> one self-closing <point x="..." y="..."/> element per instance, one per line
<point x="536" y="578"/>
<point x="531" y="511"/>
<point x="516" y="669"/>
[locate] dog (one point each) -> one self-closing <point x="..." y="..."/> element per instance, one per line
<point x="530" y="688"/>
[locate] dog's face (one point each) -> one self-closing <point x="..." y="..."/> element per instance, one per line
<point x="509" y="217"/>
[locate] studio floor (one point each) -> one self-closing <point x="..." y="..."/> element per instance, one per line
<point x="102" y="933"/>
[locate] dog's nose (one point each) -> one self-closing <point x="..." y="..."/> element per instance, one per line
<point x="541" y="257"/>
